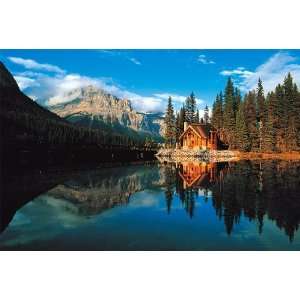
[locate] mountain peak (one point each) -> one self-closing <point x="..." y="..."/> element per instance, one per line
<point x="94" y="106"/>
<point x="90" y="93"/>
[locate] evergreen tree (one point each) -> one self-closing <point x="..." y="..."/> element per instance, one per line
<point x="273" y="109"/>
<point x="268" y="131"/>
<point x="214" y="118"/>
<point x="242" y="135"/>
<point x="170" y="130"/>
<point x="297" y="113"/>
<point x="177" y="126"/>
<point x="272" y="123"/>
<point x="197" y="120"/>
<point x="236" y="100"/>
<point x="251" y="121"/>
<point x="229" y="115"/>
<point x="217" y="113"/>
<point x="206" y="115"/>
<point x="179" y="123"/>
<point x="181" y="118"/>
<point x="292" y="138"/>
<point x="282" y="118"/>
<point x="260" y="101"/>
<point x="261" y="111"/>
<point x="220" y="112"/>
<point x="190" y="108"/>
<point x="290" y="113"/>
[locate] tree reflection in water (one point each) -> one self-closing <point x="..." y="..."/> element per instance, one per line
<point x="253" y="189"/>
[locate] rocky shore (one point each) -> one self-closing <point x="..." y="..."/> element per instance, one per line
<point x="178" y="155"/>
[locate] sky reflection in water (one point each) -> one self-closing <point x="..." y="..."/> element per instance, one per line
<point x="193" y="206"/>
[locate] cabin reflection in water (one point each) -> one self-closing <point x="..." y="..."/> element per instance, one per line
<point x="197" y="174"/>
<point x="196" y="179"/>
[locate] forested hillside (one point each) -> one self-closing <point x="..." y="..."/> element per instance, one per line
<point x="23" y="121"/>
<point x="257" y="122"/>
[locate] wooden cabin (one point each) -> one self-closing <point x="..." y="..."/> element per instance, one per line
<point x="199" y="136"/>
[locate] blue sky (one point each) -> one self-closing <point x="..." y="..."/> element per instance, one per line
<point x="147" y="77"/>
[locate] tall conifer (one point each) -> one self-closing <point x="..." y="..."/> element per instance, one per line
<point x="251" y="121"/>
<point x="190" y="108"/>
<point x="229" y="115"/>
<point x="261" y="109"/>
<point x="170" y="129"/>
<point x="290" y="113"/>
<point x="206" y="115"/>
<point x="242" y="135"/>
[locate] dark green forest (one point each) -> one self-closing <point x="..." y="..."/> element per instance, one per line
<point x="259" y="122"/>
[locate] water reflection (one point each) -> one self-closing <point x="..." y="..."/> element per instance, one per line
<point x="90" y="191"/>
<point x="196" y="178"/>
<point x="95" y="191"/>
<point x="234" y="194"/>
<point x="253" y="190"/>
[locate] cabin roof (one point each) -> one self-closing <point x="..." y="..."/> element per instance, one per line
<point x="202" y="130"/>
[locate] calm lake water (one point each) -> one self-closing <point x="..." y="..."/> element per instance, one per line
<point x="192" y="206"/>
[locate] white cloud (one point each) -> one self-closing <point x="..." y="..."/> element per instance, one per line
<point x="33" y="97"/>
<point x="135" y="61"/>
<point x="29" y="74"/>
<point x="239" y="71"/>
<point x="112" y="52"/>
<point x="25" y="82"/>
<point x="204" y="60"/>
<point x="52" y="90"/>
<point x="34" y="65"/>
<point x="142" y="103"/>
<point x="201" y="113"/>
<point x="74" y="81"/>
<point x="271" y="72"/>
<point x="60" y="86"/>
<point x="118" y="53"/>
<point x="175" y="97"/>
<point x="178" y="100"/>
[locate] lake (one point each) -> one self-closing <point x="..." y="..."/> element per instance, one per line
<point x="245" y="205"/>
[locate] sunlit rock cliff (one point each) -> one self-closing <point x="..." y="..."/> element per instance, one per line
<point x="93" y="107"/>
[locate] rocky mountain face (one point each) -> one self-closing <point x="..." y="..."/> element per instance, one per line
<point x="93" y="107"/>
<point x="6" y="79"/>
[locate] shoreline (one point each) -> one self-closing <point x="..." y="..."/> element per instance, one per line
<point x="270" y="155"/>
<point x="178" y="155"/>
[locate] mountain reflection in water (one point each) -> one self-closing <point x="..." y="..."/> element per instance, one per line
<point x="193" y="205"/>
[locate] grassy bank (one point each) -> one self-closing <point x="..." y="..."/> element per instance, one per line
<point x="272" y="155"/>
